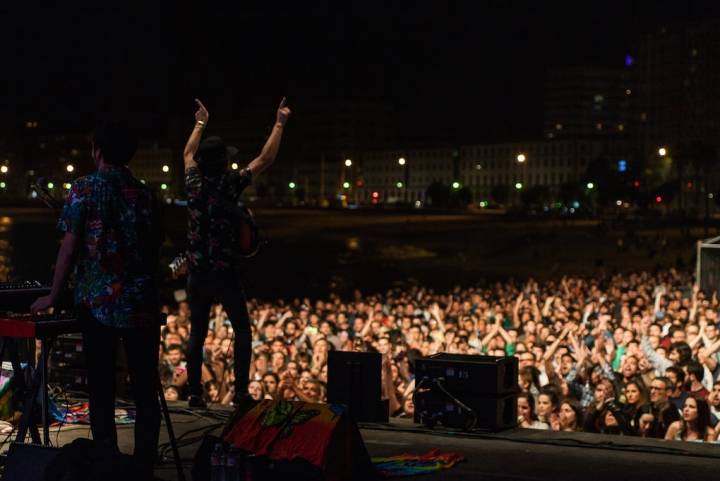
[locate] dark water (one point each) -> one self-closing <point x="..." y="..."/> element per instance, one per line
<point x="311" y="253"/>
<point x="305" y="254"/>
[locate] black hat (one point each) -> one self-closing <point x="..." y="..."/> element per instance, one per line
<point x="213" y="150"/>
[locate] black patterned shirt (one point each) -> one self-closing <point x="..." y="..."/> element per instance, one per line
<point x="211" y="200"/>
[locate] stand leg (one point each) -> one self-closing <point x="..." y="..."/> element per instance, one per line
<point x="45" y="400"/>
<point x="27" y="421"/>
<point x="171" y="431"/>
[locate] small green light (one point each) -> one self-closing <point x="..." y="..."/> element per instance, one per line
<point x="291" y="185"/>
<point x="163" y="186"/>
<point x="346" y="185"/>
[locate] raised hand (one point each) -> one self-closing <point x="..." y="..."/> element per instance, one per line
<point x="202" y="114"/>
<point x="283" y="113"/>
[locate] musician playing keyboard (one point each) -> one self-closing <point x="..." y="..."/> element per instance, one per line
<point x="213" y="190"/>
<point x="112" y="240"/>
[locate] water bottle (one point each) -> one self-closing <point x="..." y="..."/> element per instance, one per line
<point x="233" y="465"/>
<point x="217" y="463"/>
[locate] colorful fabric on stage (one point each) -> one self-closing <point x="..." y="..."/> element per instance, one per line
<point x="414" y="464"/>
<point x="322" y="434"/>
<point x="79" y="413"/>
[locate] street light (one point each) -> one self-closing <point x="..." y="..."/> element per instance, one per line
<point x="401" y="161"/>
<point x="69" y="167"/>
<point x="518" y="185"/>
<point x="662" y="151"/>
<point x="521" y="158"/>
<point x="590" y="185"/>
<point x="348" y="162"/>
<point x="166" y="168"/>
<point x="234" y="166"/>
<point x="4" y="169"/>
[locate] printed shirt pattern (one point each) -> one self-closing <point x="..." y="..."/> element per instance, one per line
<point x="211" y="234"/>
<point x="116" y="217"/>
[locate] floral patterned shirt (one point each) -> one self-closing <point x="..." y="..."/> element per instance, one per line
<point x="211" y="236"/>
<point x="117" y="218"/>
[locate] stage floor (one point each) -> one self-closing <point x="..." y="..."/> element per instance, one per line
<point x="517" y="454"/>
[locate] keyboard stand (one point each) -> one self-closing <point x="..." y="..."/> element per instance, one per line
<point x="38" y="387"/>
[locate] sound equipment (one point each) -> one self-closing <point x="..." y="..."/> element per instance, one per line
<point x="17" y="323"/>
<point x="30" y="462"/>
<point x="83" y="459"/>
<point x="468" y="392"/>
<point x="306" y="440"/>
<point x="17" y="296"/>
<point x="354" y="379"/>
<point x="471" y="375"/>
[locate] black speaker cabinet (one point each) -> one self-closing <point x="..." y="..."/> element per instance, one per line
<point x="470" y="375"/>
<point x="29" y="462"/>
<point x="491" y="413"/>
<point x="354" y="380"/>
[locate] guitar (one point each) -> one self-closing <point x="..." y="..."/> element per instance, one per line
<point x="246" y="234"/>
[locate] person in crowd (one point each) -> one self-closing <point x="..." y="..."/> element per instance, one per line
<point x="527" y="417"/>
<point x="695" y="422"/>
<point x="571" y="415"/>
<point x="581" y="340"/>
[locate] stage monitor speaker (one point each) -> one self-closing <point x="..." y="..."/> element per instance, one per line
<point x="470" y="375"/>
<point x="354" y="379"/>
<point x="29" y="462"/>
<point x="489" y="413"/>
<point x="295" y="440"/>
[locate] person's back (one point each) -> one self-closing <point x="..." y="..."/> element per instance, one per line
<point x="213" y="217"/>
<point x="112" y="235"/>
<point x="117" y="217"/>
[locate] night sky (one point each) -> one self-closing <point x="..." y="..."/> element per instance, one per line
<point x="472" y="69"/>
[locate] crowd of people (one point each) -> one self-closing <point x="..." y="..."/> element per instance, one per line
<point x="633" y="354"/>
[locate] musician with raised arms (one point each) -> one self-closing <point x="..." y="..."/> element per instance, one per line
<point x="112" y="239"/>
<point x="213" y="243"/>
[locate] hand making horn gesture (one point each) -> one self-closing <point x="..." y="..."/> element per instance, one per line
<point x="283" y="113"/>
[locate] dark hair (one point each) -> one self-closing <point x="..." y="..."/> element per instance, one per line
<point x="577" y="408"/>
<point x="116" y="141"/>
<point x="679" y="373"/>
<point x="696" y="369"/>
<point x="703" y="417"/>
<point x="637" y="381"/>
<point x="665" y="380"/>
<point x="552" y="392"/>
<point x="531" y="403"/>
<point x="173" y="347"/>
<point x="684" y="352"/>
<point x="412" y="355"/>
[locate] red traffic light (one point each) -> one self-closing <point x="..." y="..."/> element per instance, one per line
<point x="636" y="184"/>
<point x="375" y="195"/>
<point x="658" y="199"/>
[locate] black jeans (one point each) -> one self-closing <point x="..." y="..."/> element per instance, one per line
<point x="226" y="288"/>
<point x="141" y="349"/>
